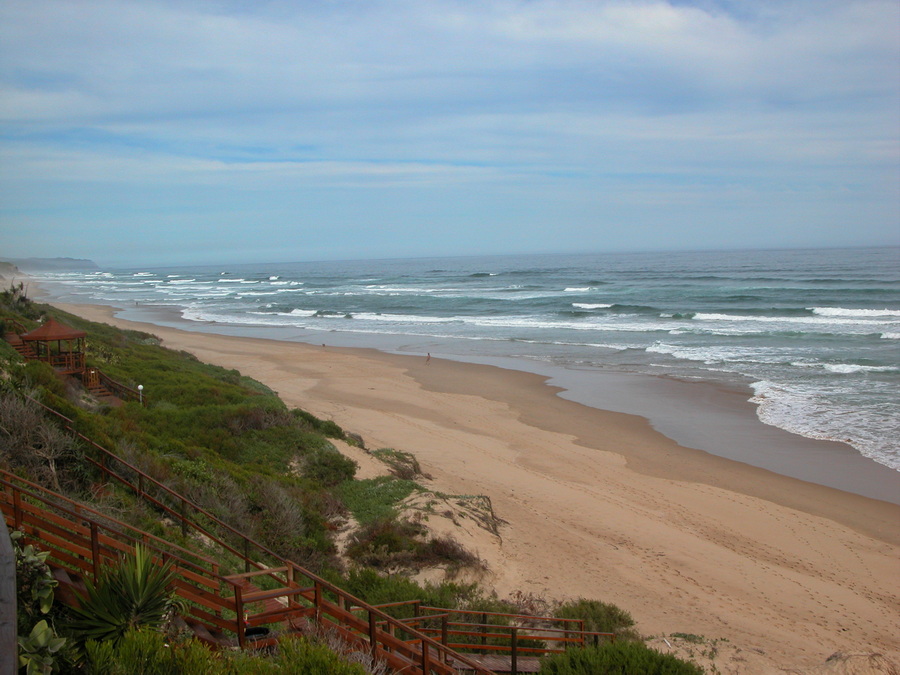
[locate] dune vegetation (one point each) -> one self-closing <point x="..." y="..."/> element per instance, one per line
<point x="231" y="446"/>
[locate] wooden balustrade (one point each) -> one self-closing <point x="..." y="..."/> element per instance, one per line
<point x="83" y="540"/>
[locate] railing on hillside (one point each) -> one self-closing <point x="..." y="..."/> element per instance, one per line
<point x="523" y="635"/>
<point x="118" y="389"/>
<point x="84" y="540"/>
<point x="11" y="325"/>
<point x="233" y="609"/>
<point x="140" y="482"/>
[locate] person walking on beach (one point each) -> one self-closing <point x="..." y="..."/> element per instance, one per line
<point x="428" y="359"/>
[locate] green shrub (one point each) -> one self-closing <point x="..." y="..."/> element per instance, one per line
<point x="38" y="374"/>
<point x="329" y="467"/>
<point x="375" y="498"/>
<point x="40" y="648"/>
<point x="148" y="652"/>
<point x="304" y="657"/>
<point x="326" y="427"/>
<point x="34" y="583"/>
<point x="385" y="542"/>
<point x="616" y="658"/>
<point x="598" y="617"/>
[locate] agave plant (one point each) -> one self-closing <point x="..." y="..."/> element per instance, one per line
<point x="136" y="592"/>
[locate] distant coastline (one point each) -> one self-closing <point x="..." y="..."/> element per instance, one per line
<point x="544" y="326"/>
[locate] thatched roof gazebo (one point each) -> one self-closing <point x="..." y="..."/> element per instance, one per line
<point x="59" y="345"/>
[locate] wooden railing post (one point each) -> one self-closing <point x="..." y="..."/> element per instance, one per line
<point x="289" y="576"/>
<point x="246" y="555"/>
<point x="426" y="659"/>
<point x="373" y="635"/>
<point x="95" y="551"/>
<point x="514" y="656"/>
<point x="17" y="509"/>
<point x="483" y="631"/>
<point x="444" y="634"/>
<point x="240" y="617"/>
<point x="317" y="598"/>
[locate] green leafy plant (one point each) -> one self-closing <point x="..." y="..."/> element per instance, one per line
<point x="34" y="581"/>
<point x="38" y="650"/>
<point x="133" y="593"/>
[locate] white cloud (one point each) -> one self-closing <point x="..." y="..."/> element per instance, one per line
<point x="281" y="96"/>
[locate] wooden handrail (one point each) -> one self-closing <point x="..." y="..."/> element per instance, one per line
<point x="421" y="653"/>
<point x="499" y="614"/>
<point x="17" y="327"/>
<point x="120" y="389"/>
<point x="77" y="510"/>
<point x="146" y="480"/>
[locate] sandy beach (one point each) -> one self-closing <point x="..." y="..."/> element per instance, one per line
<point x="598" y="504"/>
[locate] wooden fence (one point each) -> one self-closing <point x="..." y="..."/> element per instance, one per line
<point x="83" y="540"/>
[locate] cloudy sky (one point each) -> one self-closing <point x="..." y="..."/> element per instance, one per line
<point x="142" y="132"/>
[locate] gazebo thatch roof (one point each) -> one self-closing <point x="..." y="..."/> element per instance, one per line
<point x="53" y="330"/>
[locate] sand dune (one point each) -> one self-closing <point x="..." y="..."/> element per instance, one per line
<point x="599" y="505"/>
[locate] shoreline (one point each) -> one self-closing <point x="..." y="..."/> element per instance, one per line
<point x="598" y="504"/>
<point x="694" y="414"/>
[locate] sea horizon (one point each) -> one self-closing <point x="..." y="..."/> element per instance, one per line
<point x="808" y="334"/>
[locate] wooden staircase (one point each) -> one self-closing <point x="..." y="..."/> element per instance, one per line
<point x="252" y="608"/>
<point x="95" y="384"/>
<point x="25" y="350"/>
<point x="271" y="596"/>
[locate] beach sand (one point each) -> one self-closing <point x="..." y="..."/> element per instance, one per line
<point x="599" y="505"/>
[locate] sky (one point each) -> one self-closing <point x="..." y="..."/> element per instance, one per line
<point x="174" y="132"/>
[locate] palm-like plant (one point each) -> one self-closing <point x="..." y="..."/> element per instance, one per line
<point x="136" y="592"/>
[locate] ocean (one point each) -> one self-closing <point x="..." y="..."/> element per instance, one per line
<point x="811" y="334"/>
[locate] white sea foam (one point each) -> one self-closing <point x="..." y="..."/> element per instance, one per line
<point x="852" y="319"/>
<point x="809" y="414"/>
<point x="866" y="313"/>
<point x="708" y="323"/>
<point x="846" y="368"/>
<point x="405" y="318"/>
